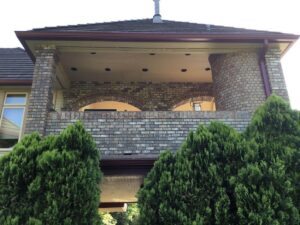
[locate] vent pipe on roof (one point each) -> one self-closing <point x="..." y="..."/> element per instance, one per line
<point x="157" y="16"/>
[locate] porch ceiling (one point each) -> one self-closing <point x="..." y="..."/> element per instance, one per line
<point x="137" y="66"/>
<point x="121" y="188"/>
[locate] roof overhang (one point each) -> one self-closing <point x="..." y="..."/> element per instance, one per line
<point x="27" y="37"/>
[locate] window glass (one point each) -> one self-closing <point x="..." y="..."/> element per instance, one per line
<point x="10" y="128"/>
<point x="12" y="119"/>
<point x="197" y="107"/>
<point x="15" y="99"/>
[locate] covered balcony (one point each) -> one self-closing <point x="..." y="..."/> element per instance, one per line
<point x="138" y="99"/>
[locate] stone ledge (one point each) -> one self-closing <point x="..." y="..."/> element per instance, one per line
<point x="72" y="115"/>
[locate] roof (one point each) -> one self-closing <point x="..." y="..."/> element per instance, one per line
<point x="147" y="26"/>
<point x="15" y="64"/>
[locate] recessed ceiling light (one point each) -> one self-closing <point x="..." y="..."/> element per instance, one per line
<point x="152" y="54"/>
<point x="144" y="69"/>
<point x="183" y="70"/>
<point x="93" y="53"/>
<point x="73" y="68"/>
<point x="107" y="69"/>
<point x="187" y="54"/>
<point x="207" y="69"/>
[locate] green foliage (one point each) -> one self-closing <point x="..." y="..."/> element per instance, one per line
<point x="268" y="186"/>
<point x="155" y="197"/>
<point x="52" y="180"/>
<point x="130" y="217"/>
<point x="108" y="219"/>
<point x="194" y="186"/>
<point x="222" y="177"/>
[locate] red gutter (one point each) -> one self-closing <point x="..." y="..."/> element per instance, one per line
<point x="15" y="82"/>
<point x="141" y="36"/>
<point x="264" y="70"/>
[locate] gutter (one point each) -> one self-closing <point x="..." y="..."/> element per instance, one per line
<point x="15" y="82"/>
<point x="264" y="69"/>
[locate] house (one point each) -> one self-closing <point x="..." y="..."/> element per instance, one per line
<point x="139" y="87"/>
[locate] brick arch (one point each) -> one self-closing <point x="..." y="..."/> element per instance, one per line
<point x="197" y="98"/>
<point x="90" y="99"/>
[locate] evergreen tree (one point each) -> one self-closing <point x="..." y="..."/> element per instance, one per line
<point x="268" y="186"/>
<point x="195" y="186"/>
<point x="154" y="198"/>
<point x="222" y="177"/>
<point x="54" y="180"/>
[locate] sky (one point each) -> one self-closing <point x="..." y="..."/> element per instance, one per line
<point x="272" y="15"/>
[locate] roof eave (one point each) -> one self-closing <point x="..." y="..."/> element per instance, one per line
<point x="24" y="36"/>
<point x="152" y="36"/>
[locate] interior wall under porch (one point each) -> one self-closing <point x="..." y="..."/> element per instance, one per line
<point x="146" y="96"/>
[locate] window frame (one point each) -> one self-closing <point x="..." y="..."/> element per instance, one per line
<point x="14" y="106"/>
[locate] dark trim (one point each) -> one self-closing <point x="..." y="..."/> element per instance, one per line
<point x="105" y="205"/>
<point x="264" y="69"/>
<point x="154" y="36"/>
<point x="127" y="165"/>
<point x="15" y="82"/>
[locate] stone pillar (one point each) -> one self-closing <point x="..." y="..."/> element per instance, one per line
<point x="276" y="77"/>
<point x="237" y="81"/>
<point x="41" y="97"/>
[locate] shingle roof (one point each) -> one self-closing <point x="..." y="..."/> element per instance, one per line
<point x="147" y="26"/>
<point x="15" y="64"/>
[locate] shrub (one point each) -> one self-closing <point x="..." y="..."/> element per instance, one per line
<point x="222" y="177"/>
<point x="268" y="186"/>
<point x="52" y="180"/>
<point x="194" y="186"/>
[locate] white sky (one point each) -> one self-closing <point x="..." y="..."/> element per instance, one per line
<point x="274" y="15"/>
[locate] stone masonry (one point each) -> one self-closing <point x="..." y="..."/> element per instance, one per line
<point x="276" y="76"/>
<point x="237" y="81"/>
<point x="144" y="133"/>
<point x="40" y="100"/>
<point x="143" y="95"/>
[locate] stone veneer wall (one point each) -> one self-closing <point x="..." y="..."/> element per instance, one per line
<point x="237" y="81"/>
<point x="41" y="97"/>
<point x="121" y="133"/>
<point x="276" y="76"/>
<point x="146" y="96"/>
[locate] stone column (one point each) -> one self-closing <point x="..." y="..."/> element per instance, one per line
<point x="41" y="97"/>
<point x="237" y="81"/>
<point x="276" y="77"/>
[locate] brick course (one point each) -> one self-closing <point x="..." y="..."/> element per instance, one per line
<point x="40" y="100"/>
<point x="121" y="133"/>
<point x="144" y="95"/>
<point x="237" y="81"/>
<point x="276" y="76"/>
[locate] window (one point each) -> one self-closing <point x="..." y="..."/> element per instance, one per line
<point x="197" y="106"/>
<point x="11" y="122"/>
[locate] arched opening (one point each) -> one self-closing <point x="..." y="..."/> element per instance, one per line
<point x="196" y="104"/>
<point x="110" y="106"/>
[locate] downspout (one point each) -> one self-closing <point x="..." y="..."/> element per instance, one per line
<point x="263" y="68"/>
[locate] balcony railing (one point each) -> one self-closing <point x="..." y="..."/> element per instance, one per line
<point x="132" y="133"/>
